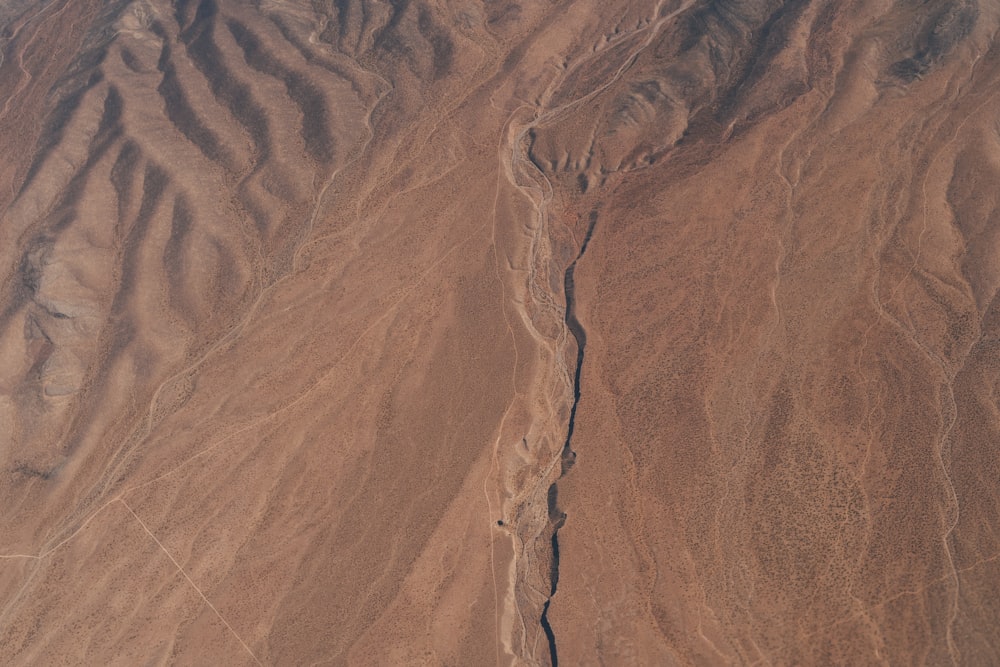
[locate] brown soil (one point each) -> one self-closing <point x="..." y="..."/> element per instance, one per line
<point x="459" y="333"/>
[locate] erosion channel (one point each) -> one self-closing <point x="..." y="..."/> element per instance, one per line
<point x="556" y="515"/>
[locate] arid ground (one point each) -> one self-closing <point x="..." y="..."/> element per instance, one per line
<point x="499" y="332"/>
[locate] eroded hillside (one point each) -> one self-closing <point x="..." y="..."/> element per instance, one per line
<point x="419" y="332"/>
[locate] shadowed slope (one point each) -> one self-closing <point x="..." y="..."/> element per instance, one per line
<point x="308" y="308"/>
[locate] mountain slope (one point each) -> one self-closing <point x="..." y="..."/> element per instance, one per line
<point x="421" y="332"/>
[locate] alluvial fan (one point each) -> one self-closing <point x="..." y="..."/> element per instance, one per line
<point x="474" y="332"/>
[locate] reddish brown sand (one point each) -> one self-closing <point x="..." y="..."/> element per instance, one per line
<point x="471" y="333"/>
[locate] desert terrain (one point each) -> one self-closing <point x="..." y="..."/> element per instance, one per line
<point x="500" y="332"/>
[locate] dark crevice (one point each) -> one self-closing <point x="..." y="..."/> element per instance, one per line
<point x="29" y="470"/>
<point x="179" y="110"/>
<point x="556" y="516"/>
<point x="315" y="130"/>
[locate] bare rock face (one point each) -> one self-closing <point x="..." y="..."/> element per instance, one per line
<point x="465" y="332"/>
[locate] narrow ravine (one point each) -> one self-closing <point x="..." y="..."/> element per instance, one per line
<point x="556" y="516"/>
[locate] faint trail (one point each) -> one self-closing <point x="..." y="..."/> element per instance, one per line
<point x="539" y="194"/>
<point x="496" y="444"/>
<point x="923" y="193"/>
<point x="326" y="376"/>
<point x="228" y="338"/>
<point x="653" y="27"/>
<point x="892" y="598"/>
<point x="27" y="78"/>
<point x="262" y="420"/>
<point x="94" y="515"/>
<point x="514" y="163"/>
<point x="949" y="414"/>
<point x="942" y="364"/>
<point x="47" y="552"/>
<point x="190" y="581"/>
<point x="17" y="596"/>
<point x="237" y="330"/>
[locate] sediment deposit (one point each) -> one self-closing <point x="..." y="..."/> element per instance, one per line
<point x="461" y="332"/>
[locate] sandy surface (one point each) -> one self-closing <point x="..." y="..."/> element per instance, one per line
<point x="459" y="333"/>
